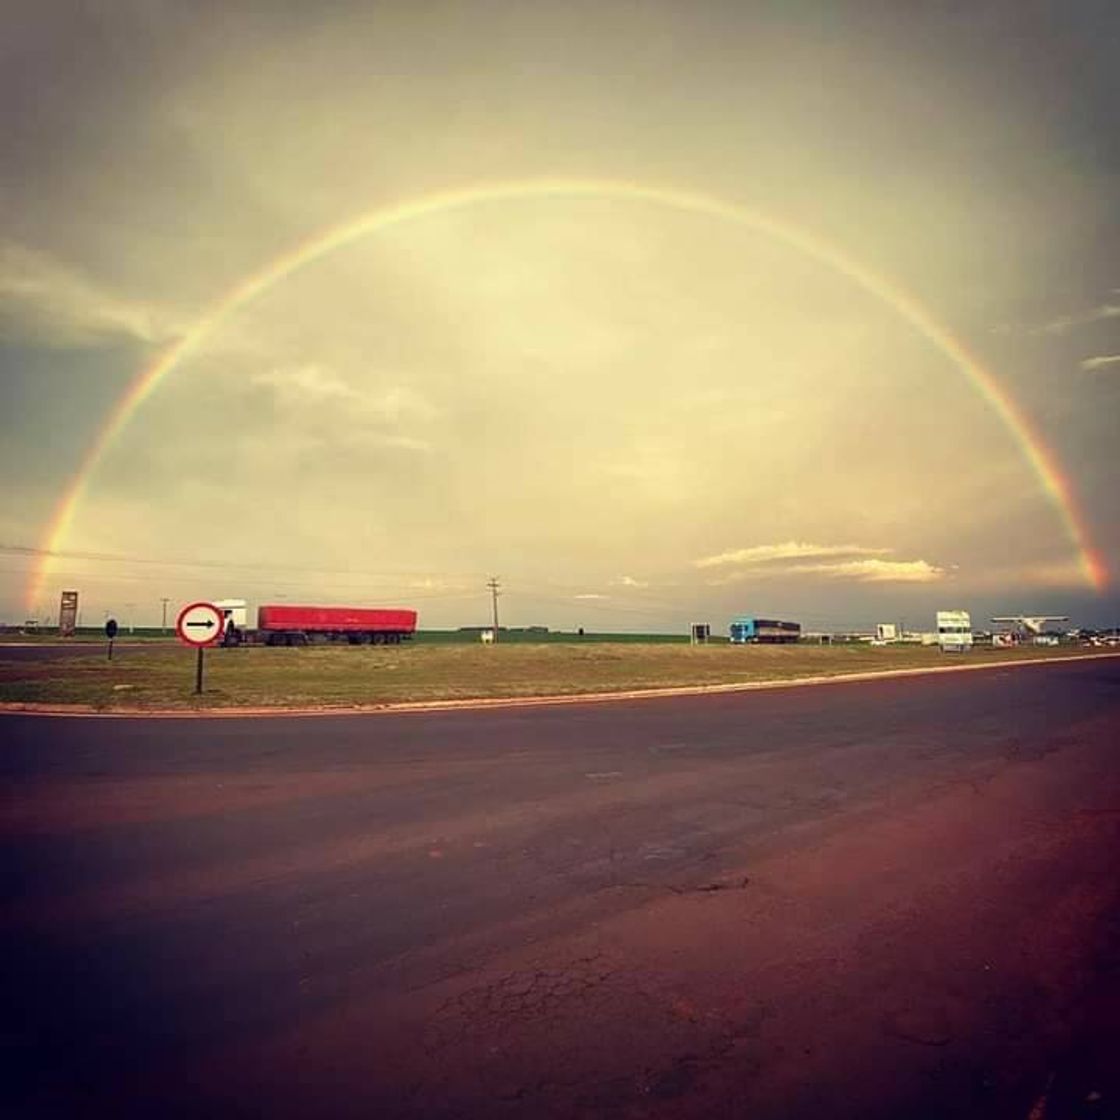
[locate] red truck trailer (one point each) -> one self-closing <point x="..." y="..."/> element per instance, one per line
<point x="285" y="625"/>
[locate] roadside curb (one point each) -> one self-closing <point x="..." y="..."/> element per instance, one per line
<point x="86" y="711"/>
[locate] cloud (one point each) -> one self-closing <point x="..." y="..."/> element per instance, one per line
<point x="56" y="305"/>
<point x="1068" y="322"/>
<point x="875" y="570"/>
<point x="590" y="595"/>
<point x="1110" y="309"/>
<point x="297" y="387"/>
<point x="439" y="587"/>
<point x="836" y="561"/>
<point x="630" y="581"/>
<point x="1101" y="361"/>
<point x="788" y="550"/>
<point x="318" y="398"/>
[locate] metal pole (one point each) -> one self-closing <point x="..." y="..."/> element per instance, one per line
<point x="110" y="649"/>
<point x="198" y="674"/>
<point x="494" y="589"/>
<point x="165" y="602"/>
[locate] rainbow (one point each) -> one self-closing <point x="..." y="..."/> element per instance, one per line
<point x="1041" y="460"/>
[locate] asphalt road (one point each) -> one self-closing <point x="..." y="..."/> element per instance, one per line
<point x="864" y="900"/>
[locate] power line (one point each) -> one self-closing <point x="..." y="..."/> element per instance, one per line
<point x="31" y="553"/>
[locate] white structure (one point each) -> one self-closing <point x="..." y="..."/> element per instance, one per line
<point x="234" y="611"/>
<point x="954" y="631"/>
<point x="886" y="632"/>
<point x="1029" y="623"/>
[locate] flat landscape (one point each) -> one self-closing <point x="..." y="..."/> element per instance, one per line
<point x="162" y="676"/>
<point x="879" y="899"/>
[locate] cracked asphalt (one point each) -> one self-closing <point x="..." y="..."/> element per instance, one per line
<point x="876" y="899"/>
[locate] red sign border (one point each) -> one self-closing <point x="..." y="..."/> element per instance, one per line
<point x="209" y="641"/>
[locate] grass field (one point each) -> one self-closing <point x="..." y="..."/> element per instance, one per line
<point x="160" y="678"/>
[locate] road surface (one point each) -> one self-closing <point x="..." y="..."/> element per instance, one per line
<point x="896" y="898"/>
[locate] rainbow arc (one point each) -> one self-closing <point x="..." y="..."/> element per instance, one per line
<point x="1040" y="459"/>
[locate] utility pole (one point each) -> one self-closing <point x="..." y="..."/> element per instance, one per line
<point x="165" y="602"/>
<point x="495" y="591"/>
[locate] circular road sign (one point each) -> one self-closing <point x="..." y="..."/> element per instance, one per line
<point x="200" y="624"/>
<point x="111" y="628"/>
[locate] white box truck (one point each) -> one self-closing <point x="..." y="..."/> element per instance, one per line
<point x="954" y="631"/>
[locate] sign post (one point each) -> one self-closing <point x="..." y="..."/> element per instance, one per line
<point x="200" y="625"/>
<point x="111" y="633"/>
<point x="68" y="614"/>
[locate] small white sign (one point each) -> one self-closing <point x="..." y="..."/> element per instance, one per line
<point x="200" y="624"/>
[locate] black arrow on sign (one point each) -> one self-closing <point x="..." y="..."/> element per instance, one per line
<point x="208" y="623"/>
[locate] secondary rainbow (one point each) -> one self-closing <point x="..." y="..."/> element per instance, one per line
<point x="1039" y="457"/>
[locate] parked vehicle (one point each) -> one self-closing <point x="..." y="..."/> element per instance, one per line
<point x="954" y="631"/>
<point x="763" y="630"/>
<point x="282" y="624"/>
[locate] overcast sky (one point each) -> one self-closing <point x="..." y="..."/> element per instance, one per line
<point x="636" y="416"/>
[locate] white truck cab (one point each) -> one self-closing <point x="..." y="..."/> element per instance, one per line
<point x="235" y="612"/>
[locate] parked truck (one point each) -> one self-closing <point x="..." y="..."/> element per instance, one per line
<point x="954" y="631"/>
<point x="764" y="631"/>
<point x="283" y="624"/>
